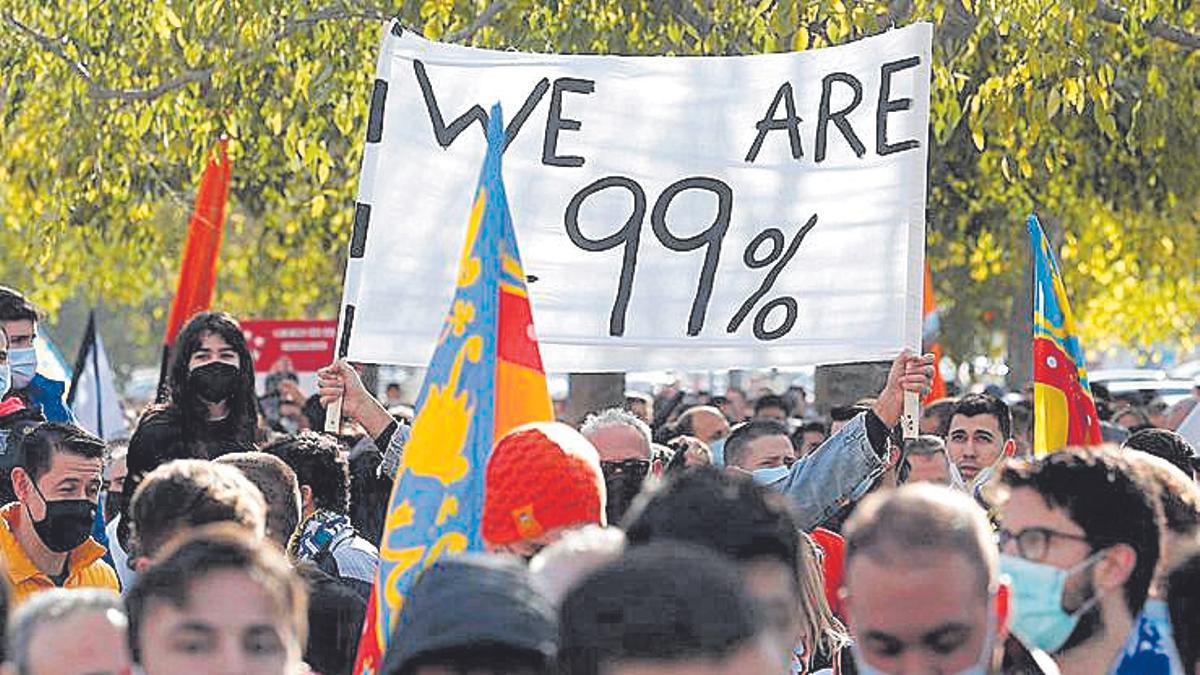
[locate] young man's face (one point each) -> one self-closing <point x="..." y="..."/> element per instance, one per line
<point x="228" y="625"/>
<point x="767" y="452"/>
<point x="20" y="333"/>
<point x="931" y="617"/>
<point x="975" y="443"/>
<point x="70" y="476"/>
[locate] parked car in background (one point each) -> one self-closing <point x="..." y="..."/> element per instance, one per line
<point x="1143" y="392"/>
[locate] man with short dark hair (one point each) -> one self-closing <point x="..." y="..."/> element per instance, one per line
<point x="762" y="448"/>
<point x="665" y="609"/>
<point x="923" y="591"/>
<point x="45" y="535"/>
<point x="337" y="605"/>
<point x="771" y="407"/>
<point x="979" y="436"/>
<point x="219" y="600"/>
<point x="1168" y="445"/>
<point x="1079" y="537"/>
<point x="325" y="536"/>
<point x="280" y="490"/>
<point x="186" y="493"/>
<point x="754" y="527"/>
<point x="19" y="319"/>
<point x="1150" y="649"/>
<point x="809" y="437"/>
<point x="69" y="632"/>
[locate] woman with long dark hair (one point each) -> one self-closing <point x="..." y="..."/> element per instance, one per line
<point x="211" y="409"/>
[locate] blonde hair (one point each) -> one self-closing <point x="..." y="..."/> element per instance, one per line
<point x="821" y="629"/>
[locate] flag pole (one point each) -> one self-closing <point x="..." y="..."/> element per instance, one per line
<point x="96" y="378"/>
<point x="89" y="336"/>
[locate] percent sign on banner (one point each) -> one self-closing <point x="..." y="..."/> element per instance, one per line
<point x="702" y="212"/>
<point x="711" y="239"/>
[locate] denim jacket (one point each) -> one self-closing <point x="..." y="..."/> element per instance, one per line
<point x="836" y="473"/>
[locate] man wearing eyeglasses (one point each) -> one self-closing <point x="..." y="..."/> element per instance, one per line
<point x="1079" y="539"/>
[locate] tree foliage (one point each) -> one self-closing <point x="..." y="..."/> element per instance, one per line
<point x="1084" y="111"/>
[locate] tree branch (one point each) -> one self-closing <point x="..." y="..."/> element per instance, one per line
<point x="190" y="76"/>
<point x="1157" y="28"/>
<point x="480" y="21"/>
<point x="52" y="46"/>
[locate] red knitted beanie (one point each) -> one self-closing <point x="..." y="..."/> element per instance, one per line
<point x="540" y="477"/>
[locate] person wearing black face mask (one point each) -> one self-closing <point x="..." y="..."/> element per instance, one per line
<point x="211" y="407"/>
<point x="626" y="458"/>
<point x="44" y="536"/>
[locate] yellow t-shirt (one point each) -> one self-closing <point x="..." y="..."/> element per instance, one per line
<point x="85" y="567"/>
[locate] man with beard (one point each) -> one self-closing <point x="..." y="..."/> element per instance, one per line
<point x="1079" y="538"/>
<point x="626" y="459"/>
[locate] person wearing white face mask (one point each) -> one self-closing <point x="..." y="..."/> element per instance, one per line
<point x="1080" y="536"/>
<point x="923" y="593"/>
<point x="19" y="319"/>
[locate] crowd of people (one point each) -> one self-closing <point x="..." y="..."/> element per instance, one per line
<point x="680" y="533"/>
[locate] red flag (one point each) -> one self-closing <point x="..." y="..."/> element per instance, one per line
<point x="198" y="273"/>
<point x="931" y="326"/>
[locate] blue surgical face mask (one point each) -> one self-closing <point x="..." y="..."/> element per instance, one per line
<point x="772" y="477"/>
<point x="718" y="451"/>
<point x="982" y="665"/>
<point x="23" y="363"/>
<point x="5" y="379"/>
<point x="1038" y="617"/>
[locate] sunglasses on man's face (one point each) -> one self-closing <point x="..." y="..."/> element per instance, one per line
<point x="637" y="468"/>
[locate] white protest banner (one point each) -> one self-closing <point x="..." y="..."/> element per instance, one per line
<point x="672" y="212"/>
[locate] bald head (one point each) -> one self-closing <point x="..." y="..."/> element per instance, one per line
<point x="705" y="422"/>
<point x="919" y="522"/>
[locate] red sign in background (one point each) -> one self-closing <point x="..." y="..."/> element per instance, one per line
<point x="307" y="342"/>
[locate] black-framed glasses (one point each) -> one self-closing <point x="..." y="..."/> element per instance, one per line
<point x="638" y="468"/>
<point x="1033" y="543"/>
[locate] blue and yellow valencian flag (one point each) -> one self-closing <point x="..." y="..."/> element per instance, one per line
<point x="1064" y="412"/>
<point x="486" y="377"/>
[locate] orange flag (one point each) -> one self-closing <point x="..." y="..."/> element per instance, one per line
<point x="198" y="273"/>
